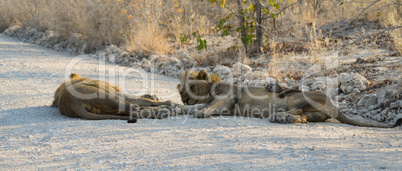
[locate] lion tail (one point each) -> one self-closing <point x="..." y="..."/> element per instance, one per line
<point x="316" y="100"/>
<point x="81" y="112"/>
<point x="342" y="118"/>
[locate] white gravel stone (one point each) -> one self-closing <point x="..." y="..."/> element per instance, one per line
<point x="352" y="82"/>
<point x="387" y="96"/>
<point x="395" y="105"/>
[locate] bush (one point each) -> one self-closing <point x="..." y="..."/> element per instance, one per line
<point x="157" y="25"/>
<point x="136" y="24"/>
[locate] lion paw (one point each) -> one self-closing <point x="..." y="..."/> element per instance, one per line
<point x="284" y="118"/>
<point x="169" y="111"/>
<point x="200" y="114"/>
<point x="163" y="113"/>
<point x="177" y="109"/>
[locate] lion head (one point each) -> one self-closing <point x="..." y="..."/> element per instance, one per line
<point x="196" y="88"/>
<point x="74" y="78"/>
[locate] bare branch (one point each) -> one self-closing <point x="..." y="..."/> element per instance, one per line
<point x="284" y="8"/>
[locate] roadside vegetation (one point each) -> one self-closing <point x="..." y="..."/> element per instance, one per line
<point x="255" y="29"/>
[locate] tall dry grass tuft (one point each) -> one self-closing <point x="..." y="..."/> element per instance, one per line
<point x="100" y="22"/>
<point x="136" y="24"/>
<point x="394" y="18"/>
<point x="148" y="39"/>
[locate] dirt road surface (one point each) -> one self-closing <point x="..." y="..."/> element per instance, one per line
<point x="34" y="135"/>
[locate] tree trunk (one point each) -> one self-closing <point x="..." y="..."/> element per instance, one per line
<point x="257" y="7"/>
<point x="243" y="31"/>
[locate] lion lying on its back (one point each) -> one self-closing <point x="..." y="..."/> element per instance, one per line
<point x="288" y="106"/>
<point x="93" y="99"/>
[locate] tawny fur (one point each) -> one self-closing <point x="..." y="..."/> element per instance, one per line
<point x="230" y="99"/>
<point x="107" y="103"/>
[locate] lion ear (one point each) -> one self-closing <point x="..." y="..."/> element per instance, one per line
<point x="74" y="76"/>
<point x="202" y="75"/>
<point x="192" y="75"/>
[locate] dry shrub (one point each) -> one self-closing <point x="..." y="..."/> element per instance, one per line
<point x="154" y="25"/>
<point x="395" y="19"/>
<point x="316" y="20"/>
<point x="148" y="39"/>
<point x="195" y="16"/>
<point x="142" y="25"/>
<point x="11" y="13"/>
<point x="397" y="43"/>
<point x="273" y="66"/>
<point x="100" y="22"/>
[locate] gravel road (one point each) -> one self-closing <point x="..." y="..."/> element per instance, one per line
<point x="35" y="136"/>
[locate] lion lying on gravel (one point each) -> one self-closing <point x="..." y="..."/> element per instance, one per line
<point x="93" y="99"/>
<point x="228" y="99"/>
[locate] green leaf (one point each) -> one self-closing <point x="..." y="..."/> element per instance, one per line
<point x="378" y="13"/>
<point x="238" y="29"/>
<point x="341" y="3"/>
<point x="202" y="44"/>
<point x="225" y="33"/>
<point x="273" y="16"/>
<point x="251" y="7"/>
<point x="222" y="21"/>
<point x="264" y="10"/>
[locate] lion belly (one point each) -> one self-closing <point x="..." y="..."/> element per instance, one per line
<point x="257" y="102"/>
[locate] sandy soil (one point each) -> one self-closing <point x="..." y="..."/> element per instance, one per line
<point x="36" y="136"/>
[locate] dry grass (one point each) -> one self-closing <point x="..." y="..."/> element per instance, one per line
<point x="99" y="23"/>
<point x="136" y="24"/>
<point x="156" y="25"/>
<point x="395" y="19"/>
<point x="312" y="23"/>
<point x="397" y="46"/>
<point x="148" y="39"/>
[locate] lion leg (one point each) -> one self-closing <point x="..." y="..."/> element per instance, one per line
<point x="297" y="116"/>
<point x="316" y="116"/>
<point x="217" y="106"/>
<point x="112" y="106"/>
<point x="83" y="110"/>
<point x="167" y="102"/>
<point x="90" y="108"/>
<point x="159" y="112"/>
<point x="143" y="101"/>
<point x="148" y="112"/>
<point x="288" y="92"/>
<point x="291" y="116"/>
<point x="151" y="97"/>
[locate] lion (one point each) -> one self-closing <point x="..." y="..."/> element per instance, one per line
<point x="94" y="100"/>
<point x="229" y="99"/>
<point x="276" y="88"/>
